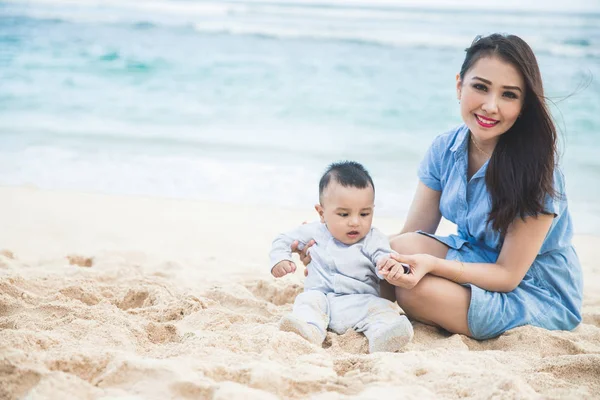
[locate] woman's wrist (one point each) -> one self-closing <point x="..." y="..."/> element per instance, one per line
<point x="436" y="265"/>
<point x="441" y="267"/>
<point x="459" y="274"/>
<point x="452" y="270"/>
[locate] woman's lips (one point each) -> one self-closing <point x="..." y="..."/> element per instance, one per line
<point x="486" y="122"/>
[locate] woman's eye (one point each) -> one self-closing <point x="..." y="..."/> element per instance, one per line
<point x="364" y="214"/>
<point x="480" y="86"/>
<point x="511" y="95"/>
<point x="343" y="214"/>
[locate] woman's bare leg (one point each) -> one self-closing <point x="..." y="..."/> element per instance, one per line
<point x="434" y="300"/>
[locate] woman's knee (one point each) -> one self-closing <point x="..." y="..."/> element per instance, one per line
<point x="416" y="243"/>
<point x="437" y="301"/>
<point x="412" y="302"/>
<point x="418" y="295"/>
<point x="407" y="243"/>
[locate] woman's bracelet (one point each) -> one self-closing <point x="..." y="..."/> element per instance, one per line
<point x="462" y="269"/>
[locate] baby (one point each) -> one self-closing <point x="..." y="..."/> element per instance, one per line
<point x="341" y="290"/>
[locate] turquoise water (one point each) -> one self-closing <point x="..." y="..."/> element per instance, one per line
<point x="248" y="101"/>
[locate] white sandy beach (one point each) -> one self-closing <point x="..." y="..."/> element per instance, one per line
<point x="145" y="298"/>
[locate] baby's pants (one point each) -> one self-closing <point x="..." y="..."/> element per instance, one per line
<point x="365" y="313"/>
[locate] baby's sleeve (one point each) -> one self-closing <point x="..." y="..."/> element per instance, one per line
<point x="281" y="246"/>
<point x="377" y="247"/>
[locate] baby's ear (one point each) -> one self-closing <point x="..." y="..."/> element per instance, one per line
<point x="321" y="212"/>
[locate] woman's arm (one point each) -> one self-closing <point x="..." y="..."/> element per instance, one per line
<point x="521" y="245"/>
<point x="424" y="213"/>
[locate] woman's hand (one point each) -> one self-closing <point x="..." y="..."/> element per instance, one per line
<point x="420" y="265"/>
<point x="304" y="256"/>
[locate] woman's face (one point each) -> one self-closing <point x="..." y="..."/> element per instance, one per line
<point x="491" y="97"/>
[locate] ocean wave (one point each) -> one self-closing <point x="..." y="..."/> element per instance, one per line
<point x="335" y="11"/>
<point x="573" y="48"/>
<point x="364" y="38"/>
<point x="568" y="50"/>
<point x="225" y="174"/>
<point x="392" y="27"/>
<point x="144" y="25"/>
<point x="222" y="176"/>
<point x="578" y="42"/>
<point x="178" y="12"/>
<point x="515" y="6"/>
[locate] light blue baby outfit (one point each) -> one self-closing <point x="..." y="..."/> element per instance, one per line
<point x="550" y="294"/>
<point x="341" y="290"/>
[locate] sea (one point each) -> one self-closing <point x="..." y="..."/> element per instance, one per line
<point x="247" y="102"/>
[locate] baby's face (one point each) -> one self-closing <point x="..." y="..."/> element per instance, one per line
<point x="347" y="211"/>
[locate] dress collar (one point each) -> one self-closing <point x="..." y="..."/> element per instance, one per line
<point x="461" y="142"/>
<point x="460" y="148"/>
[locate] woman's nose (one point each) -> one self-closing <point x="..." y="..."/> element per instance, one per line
<point x="490" y="105"/>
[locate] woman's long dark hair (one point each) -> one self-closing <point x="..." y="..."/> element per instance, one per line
<point x="520" y="171"/>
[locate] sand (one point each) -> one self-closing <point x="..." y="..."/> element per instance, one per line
<point x="137" y="298"/>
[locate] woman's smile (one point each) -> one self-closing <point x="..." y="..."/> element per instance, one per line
<point x="486" y="122"/>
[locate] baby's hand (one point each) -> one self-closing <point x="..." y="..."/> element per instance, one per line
<point x="283" y="268"/>
<point x="388" y="266"/>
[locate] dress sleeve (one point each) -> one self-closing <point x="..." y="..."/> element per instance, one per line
<point x="552" y="204"/>
<point x="429" y="171"/>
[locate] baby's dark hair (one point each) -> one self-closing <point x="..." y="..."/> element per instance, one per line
<point x="347" y="174"/>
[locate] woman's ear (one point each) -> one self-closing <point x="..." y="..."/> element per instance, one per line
<point x="321" y="212"/>
<point x="458" y="87"/>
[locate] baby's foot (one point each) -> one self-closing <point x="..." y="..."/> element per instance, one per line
<point x="392" y="337"/>
<point x="289" y="323"/>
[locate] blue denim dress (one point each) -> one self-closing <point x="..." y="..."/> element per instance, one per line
<point x="550" y="294"/>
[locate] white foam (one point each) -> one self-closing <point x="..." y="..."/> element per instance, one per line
<point x="398" y="27"/>
<point x="579" y="6"/>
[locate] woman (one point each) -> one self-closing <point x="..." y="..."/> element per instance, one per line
<point x="512" y="262"/>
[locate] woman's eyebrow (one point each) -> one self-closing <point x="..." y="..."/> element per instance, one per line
<point x="490" y="83"/>
<point x="513" y="88"/>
